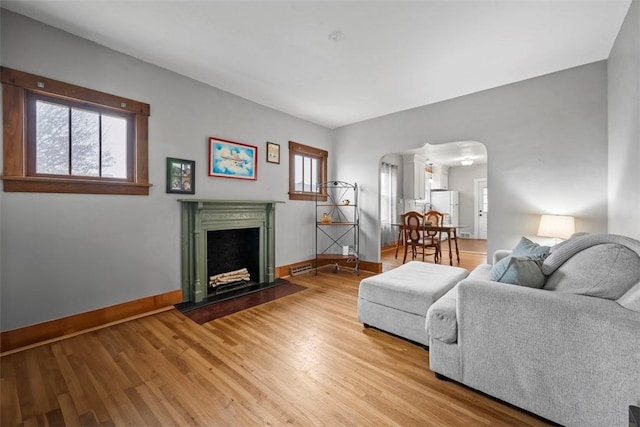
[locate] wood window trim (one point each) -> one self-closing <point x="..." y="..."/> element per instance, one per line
<point x="322" y="155"/>
<point x="15" y="87"/>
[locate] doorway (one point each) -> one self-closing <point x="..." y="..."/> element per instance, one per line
<point x="481" y="211"/>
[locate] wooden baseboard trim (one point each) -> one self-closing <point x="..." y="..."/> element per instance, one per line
<point x="372" y="267"/>
<point x="388" y="247"/>
<point x="83" y="322"/>
<point x="285" y="270"/>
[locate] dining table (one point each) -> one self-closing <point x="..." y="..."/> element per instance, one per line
<point x="449" y="229"/>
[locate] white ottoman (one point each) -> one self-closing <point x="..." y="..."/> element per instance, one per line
<point x="397" y="301"/>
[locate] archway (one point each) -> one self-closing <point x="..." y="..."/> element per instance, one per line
<point x="444" y="170"/>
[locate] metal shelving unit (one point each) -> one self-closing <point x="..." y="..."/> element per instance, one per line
<point x="338" y="226"/>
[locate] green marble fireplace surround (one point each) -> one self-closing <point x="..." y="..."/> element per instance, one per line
<point x="201" y="216"/>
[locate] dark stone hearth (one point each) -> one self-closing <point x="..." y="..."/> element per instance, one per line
<point x="217" y="306"/>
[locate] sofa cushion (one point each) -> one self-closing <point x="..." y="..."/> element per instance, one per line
<point x="519" y="270"/>
<point x="605" y="270"/>
<point x="442" y="323"/>
<point x="631" y="299"/>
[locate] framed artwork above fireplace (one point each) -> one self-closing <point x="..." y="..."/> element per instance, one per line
<point x="228" y="159"/>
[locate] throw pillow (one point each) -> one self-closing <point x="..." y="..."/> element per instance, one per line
<point x="605" y="270"/>
<point x="526" y="247"/>
<point x="522" y="271"/>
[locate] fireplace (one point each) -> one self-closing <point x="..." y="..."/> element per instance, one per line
<point x="221" y="237"/>
<point x="232" y="251"/>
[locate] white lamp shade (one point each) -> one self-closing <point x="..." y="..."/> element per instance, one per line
<point x="556" y="226"/>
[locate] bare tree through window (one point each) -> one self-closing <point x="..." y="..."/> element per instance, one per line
<point x="79" y="142"/>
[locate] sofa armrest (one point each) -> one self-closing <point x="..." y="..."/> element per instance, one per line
<point x="441" y="321"/>
<point x="570" y="358"/>
<point x="499" y="254"/>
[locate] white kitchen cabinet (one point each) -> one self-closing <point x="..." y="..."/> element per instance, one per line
<point x="414" y="184"/>
<point x="440" y="177"/>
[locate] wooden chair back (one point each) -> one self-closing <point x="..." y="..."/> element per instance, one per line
<point x="413" y="234"/>
<point x="412" y="223"/>
<point x="436" y="219"/>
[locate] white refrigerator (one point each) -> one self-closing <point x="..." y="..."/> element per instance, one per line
<point x="446" y="202"/>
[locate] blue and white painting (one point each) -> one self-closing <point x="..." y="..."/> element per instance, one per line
<point x="231" y="159"/>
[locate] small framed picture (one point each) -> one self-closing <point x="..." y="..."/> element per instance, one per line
<point x="181" y="176"/>
<point x="273" y="152"/>
<point x="229" y="159"/>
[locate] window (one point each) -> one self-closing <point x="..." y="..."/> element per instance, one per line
<point x="68" y="139"/>
<point x="388" y="202"/>
<point x="307" y="169"/>
<point x="62" y="138"/>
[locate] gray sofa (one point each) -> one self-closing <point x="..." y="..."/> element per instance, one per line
<point x="567" y="349"/>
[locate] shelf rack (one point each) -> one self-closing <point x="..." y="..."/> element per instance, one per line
<point x="337" y="226"/>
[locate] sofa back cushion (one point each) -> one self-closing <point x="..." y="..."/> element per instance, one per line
<point x="605" y="270"/>
<point x="565" y="250"/>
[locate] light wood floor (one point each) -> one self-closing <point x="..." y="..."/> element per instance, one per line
<point x="472" y="253"/>
<point x="302" y="360"/>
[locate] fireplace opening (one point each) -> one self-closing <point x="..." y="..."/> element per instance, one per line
<point x="233" y="260"/>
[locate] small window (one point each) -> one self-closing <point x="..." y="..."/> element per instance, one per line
<point x="62" y="138"/>
<point x="307" y="169"/>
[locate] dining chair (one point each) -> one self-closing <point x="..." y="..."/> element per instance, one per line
<point x="432" y="237"/>
<point x="412" y="223"/>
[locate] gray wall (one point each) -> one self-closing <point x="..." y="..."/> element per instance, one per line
<point x="624" y="127"/>
<point x="546" y="142"/>
<point x="64" y="254"/>
<point x="461" y="179"/>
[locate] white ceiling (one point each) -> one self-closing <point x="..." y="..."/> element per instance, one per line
<point x="395" y="55"/>
<point x="452" y="153"/>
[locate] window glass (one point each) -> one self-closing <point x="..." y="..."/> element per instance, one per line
<point x="306" y="171"/>
<point x="85" y="143"/>
<point x="114" y="147"/>
<point x="313" y="181"/>
<point x="97" y="146"/>
<point x="485" y="199"/>
<point x="298" y="173"/>
<point x="52" y="138"/>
